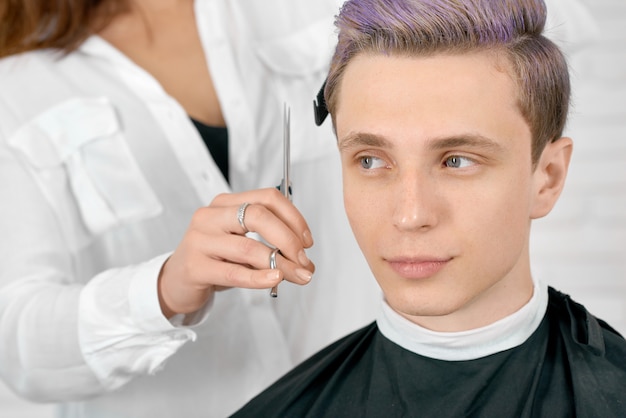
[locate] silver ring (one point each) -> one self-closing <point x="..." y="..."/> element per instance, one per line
<point x="273" y="258"/>
<point x="241" y="213"/>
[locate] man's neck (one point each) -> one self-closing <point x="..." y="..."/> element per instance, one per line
<point x="503" y="334"/>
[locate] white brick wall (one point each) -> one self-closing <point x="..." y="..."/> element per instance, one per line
<point x="580" y="248"/>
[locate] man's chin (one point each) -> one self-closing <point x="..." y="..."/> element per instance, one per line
<point x="422" y="308"/>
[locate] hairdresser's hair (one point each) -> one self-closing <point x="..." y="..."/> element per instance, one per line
<point x="27" y="25"/>
<point x="510" y="28"/>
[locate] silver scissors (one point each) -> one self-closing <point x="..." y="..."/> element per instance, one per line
<point x="285" y="184"/>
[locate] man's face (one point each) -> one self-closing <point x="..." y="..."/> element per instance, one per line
<point x="438" y="184"/>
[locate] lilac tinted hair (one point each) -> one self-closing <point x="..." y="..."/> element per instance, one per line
<point x="511" y="28"/>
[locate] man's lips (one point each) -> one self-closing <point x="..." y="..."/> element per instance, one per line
<point x="417" y="268"/>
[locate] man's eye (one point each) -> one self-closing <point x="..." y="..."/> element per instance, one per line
<point x="456" y="161"/>
<point x="369" y="162"/>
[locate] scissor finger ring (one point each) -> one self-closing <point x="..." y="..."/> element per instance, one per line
<point x="273" y="258"/>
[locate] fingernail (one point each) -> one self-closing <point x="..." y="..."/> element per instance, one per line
<point x="308" y="239"/>
<point x="304" y="275"/>
<point x="303" y="259"/>
<point x="273" y="275"/>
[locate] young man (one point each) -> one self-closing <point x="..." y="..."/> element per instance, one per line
<point x="449" y="117"/>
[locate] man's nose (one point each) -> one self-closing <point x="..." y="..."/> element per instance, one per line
<point x="416" y="202"/>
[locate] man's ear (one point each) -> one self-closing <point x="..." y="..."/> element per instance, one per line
<point x="549" y="176"/>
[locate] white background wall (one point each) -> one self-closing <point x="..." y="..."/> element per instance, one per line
<point x="580" y="248"/>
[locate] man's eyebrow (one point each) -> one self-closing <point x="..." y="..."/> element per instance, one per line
<point x="464" y="140"/>
<point x="359" y="139"/>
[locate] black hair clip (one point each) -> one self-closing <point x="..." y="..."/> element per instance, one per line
<point x="319" y="106"/>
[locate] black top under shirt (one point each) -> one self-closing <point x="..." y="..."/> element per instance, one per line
<point x="216" y="140"/>
<point x="573" y="365"/>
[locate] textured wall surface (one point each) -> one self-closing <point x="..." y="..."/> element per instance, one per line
<point x="580" y="248"/>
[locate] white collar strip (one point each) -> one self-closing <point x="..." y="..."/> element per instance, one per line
<point x="501" y="335"/>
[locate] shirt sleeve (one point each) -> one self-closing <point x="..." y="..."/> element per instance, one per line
<point x="122" y="331"/>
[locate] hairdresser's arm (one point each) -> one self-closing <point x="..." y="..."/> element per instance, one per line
<point x="62" y="339"/>
<point x="124" y="309"/>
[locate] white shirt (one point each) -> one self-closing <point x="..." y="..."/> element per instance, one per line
<point x="100" y="172"/>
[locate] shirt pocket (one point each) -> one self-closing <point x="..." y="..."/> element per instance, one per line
<point x="82" y="139"/>
<point x="298" y="63"/>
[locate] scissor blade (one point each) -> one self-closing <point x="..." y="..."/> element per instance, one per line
<point x="286" y="183"/>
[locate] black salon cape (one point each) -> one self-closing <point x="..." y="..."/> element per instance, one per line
<point x="573" y="365"/>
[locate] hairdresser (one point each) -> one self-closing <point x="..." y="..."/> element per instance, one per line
<point x="140" y="150"/>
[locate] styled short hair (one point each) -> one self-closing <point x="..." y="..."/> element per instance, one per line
<point x="512" y="29"/>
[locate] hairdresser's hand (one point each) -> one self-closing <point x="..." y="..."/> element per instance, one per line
<point x="215" y="252"/>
